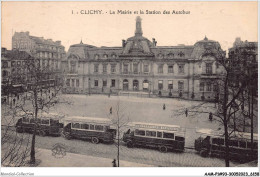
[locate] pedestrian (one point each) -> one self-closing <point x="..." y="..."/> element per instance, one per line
<point x="210" y="116"/>
<point x="164" y="107"/>
<point x="110" y="110"/>
<point x="114" y="163"/>
<point x="186" y="112"/>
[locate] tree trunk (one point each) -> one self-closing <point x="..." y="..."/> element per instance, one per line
<point x="32" y="160"/>
<point x="226" y="122"/>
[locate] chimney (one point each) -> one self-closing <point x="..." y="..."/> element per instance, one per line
<point x="154" y="42"/>
<point x="123" y="43"/>
<point x="58" y="42"/>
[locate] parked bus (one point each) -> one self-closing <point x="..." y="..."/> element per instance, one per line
<point x="212" y="143"/>
<point x="163" y="137"/>
<point x="95" y="129"/>
<point x="46" y="124"/>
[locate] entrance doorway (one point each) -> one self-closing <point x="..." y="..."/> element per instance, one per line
<point x="125" y="84"/>
<point x="135" y="85"/>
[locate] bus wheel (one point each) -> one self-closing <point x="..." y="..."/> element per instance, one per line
<point x="68" y="137"/>
<point x="19" y="130"/>
<point x="163" y="149"/>
<point x="203" y="153"/>
<point x="42" y="133"/>
<point x="95" y="140"/>
<point x="130" y="144"/>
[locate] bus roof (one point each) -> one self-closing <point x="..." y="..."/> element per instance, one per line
<point x="88" y="119"/>
<point x="154" y="126"/>
<point x="236" y="134"/>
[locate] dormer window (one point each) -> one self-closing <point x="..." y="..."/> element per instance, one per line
<point x="170" y="55"/>
<point x="160" y="56"/>
<point x="105" y="56"/>
<point x="96" y="57"/>
<point x="181" y="54"/>
<point x="113" y="56"/>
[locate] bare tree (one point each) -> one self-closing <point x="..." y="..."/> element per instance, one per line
<point x="227" y="99"/>
<point x="120" y="118"/>
<point x="42" y="93"/>
<point x="14" y="147"/>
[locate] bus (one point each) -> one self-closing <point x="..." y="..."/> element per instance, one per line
<point x="159" y="136"/>
<point x="212" y="143"/>
<point x="46" y="124"/>
<point x="92" y="128"/>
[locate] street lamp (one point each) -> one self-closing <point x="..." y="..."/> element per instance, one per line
<point x="89" y="87"/>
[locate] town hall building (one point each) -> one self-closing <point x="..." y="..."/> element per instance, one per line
<point x="140" y="66"/>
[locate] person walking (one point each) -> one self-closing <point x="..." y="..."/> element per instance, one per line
<point x="110" y="110"/>
<point x="114" y="163"/>
<point x="210" y="116"/>
<point x="186" y="112"/>
<point x="164" y="107"/>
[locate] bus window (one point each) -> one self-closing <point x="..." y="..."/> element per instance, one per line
<point x="26" y="119"/>
<point x="218" y="141"/>
<point x="159" y="134"/>
<point x="84" y="126"/>
<point x="168" y="135"/>
<point x="254" y="145"/>
<point x="91" y="127"/>
<point x="45" y="121"/>
<point x="140" y="132"/>
<point x="54" y="122"/>
<point x="242" y="144"/>
<point x="75" y="125"/>
<point x="179" y="138"/>
<point x="99" y="127"/>
<point x="151" y="133"/>
<point x="233" y="143"/>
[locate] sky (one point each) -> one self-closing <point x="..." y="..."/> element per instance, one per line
<point x="219" y="21"/>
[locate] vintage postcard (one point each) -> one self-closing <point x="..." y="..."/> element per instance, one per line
<point x="129" y="84"/>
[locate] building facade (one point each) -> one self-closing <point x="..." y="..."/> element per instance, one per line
<point x="139" y="65"/>
<point x="243" y="57"/>
<point x="49" y="53"/>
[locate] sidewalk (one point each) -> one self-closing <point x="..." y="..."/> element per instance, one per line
<point x="79" y="160"/>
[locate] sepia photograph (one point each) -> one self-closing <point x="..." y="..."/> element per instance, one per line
<point x="129" y="84"/>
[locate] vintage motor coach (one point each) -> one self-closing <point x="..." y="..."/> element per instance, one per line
<point x="212" y="143"/>
<point x="95" y="129"/>
<point x="46" y="124"/>
<point x="163" y="137"/>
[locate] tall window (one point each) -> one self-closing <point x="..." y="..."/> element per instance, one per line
<point x="113" y="83"/>
<point x="73" y="67"/>
<point x="135" y="68"/>
<point x="181" y="69"/>
<point x="96" y="68"/>
<point x="180" y="86"/>
<point x="104" y="83"/>
<point x="77" y="83"/>
<point x="113" y="68"/>
<point x="208" y="68"/>
<point x="209" y="86"/>
<point x="160" y="84"/>
<point x="170" y="85"/>
<point x="202" y="86"/>
<point x="68" y="82"/>
<point x="72" y="82"/>
<point x="160" y="69"/>
<point x="125" y="71"/>
<point x="104" y="68"/>
<point x="170" y="68"/>
<point x="146" y="68"/>
<point x="96" y="83"/>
